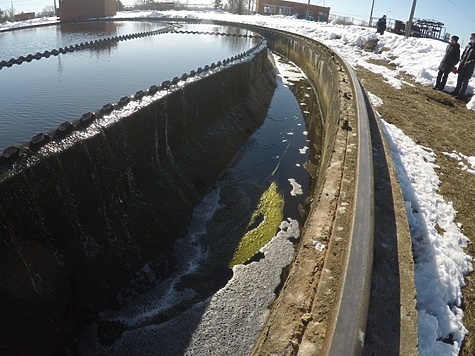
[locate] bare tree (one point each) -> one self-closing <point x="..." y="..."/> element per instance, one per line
<point x="47" y="11"/>
<point x="3" y="16"/>
<point x="181" y="5"/>
<point x="119" y="5"/>
<point x="143" y="4"/>
<point x="237" y="6"/>
<point x="218" y="4"/>
<point x="11" y="14"/>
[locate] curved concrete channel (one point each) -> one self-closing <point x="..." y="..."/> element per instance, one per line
<point x="331" y="290"/>
<point x="334" y="296"/>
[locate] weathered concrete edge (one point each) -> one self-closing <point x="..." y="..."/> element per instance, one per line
<point x="283" y="335"/>
<point x="408" y="339"/>
<point x="335" y="194"/>
<point x="349" y="318"/>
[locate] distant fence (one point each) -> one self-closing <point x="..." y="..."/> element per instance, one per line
<point x="171" y="5"/>
<point x="420" y="28"/>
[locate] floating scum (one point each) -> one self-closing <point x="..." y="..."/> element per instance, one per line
<point x="267" y="216"/>
<point x="440" y="262"/>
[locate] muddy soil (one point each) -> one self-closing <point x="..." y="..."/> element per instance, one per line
<point x="436" y="120"/>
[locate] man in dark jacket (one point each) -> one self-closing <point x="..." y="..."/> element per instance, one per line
<point x="381" y="25"/>
<point x="451" y="58"/>
<point x="466" y="68"/>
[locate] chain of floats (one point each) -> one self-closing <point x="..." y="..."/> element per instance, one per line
<point x="80" y="46"/>
<point x="12" y="153"/>
<point x="103" y="42"/>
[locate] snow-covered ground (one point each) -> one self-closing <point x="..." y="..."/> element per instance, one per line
<point x="440" y="260"/>
<point x="33" y="22"/>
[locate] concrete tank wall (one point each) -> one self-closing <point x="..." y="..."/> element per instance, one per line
<point x="76" y="225"/>
<point x="323" y="69"/>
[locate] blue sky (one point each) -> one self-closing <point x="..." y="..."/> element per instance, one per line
<point x="457" y="15"/>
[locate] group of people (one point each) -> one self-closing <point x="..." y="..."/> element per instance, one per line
<point x="465" y="68"/>
<point x="451" y="59"/>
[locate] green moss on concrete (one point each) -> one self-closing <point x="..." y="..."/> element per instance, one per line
<point x="268" y="216"/>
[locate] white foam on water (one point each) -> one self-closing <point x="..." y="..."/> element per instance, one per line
<point x="228" y="322"/>
<point x="190" y="255"/>
<point x="296" y="188"/>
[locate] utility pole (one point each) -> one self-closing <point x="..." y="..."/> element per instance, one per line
<point x="411" y="17"/>
<point x="371" y="14"/>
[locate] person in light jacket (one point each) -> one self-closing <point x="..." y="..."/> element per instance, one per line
<point x="451" y="58"/>
<point x="465" y="69"/>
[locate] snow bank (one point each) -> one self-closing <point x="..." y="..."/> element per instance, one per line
<point x="440" y="262"/>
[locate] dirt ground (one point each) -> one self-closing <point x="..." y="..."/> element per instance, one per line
<point x="437" y="120"/>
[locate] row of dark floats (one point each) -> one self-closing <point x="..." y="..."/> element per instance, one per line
<point x="12" y="153"/>
<point x="83" y="45"/>
<point x="101" y="42"/>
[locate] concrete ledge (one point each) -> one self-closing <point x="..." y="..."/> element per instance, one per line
<point x="304" y="318"/>
<point x="392" y="327"/>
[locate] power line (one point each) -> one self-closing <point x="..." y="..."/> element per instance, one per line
<point x="463" y="12"/>
<point x="346" y="14"/>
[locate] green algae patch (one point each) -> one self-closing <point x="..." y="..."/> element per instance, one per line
<point x="262" y="226"/>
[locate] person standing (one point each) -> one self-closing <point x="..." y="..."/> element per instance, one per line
<point x="451" y="58"/>
<point x="466" y="68"/>
<point x="381" y="25"/>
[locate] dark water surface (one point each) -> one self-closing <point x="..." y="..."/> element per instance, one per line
<point x="38" y="96"/>
<point x="151" y="309"/>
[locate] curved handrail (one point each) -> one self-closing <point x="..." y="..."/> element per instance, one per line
<point x="345" y="337"/>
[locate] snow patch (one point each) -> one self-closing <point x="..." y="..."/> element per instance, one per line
<point x="440" y="262"/>
<point x="296" y="188"/>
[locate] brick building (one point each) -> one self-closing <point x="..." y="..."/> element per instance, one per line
<point x="25" y="16"/>
<point x="291" y="8"/>
<point x="70" y="10"/>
